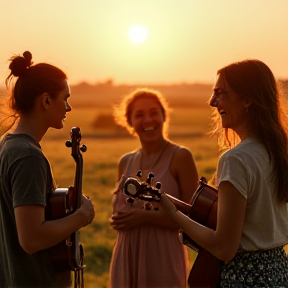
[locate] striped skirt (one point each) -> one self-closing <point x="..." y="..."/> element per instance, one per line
<point x="251" y="269"/>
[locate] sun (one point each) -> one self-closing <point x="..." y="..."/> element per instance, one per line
<point x="137" y="33"/>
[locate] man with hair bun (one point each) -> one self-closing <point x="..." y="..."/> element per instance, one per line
<point x="39" y="100"/>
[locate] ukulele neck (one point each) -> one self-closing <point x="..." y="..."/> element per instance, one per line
<point x="180" y="205"/>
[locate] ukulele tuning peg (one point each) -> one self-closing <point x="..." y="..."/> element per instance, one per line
<point x="130" y="200"/>
<point x="83" y="148"/>
<point x="158" y="185"/>
<point x="147" y="206"/>
<point x="68" y="143"/>
<point x="149" y="178"/>
<point x="151" y="175"/>
<point x="139" y="174"/>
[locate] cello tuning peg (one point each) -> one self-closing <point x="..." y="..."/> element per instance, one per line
<point x="130" y="200"/>
<point x="158" y="185"/>
<point x="68" y="143"/>
<point x="83" y="148"/>
<point x="139" y="174"/>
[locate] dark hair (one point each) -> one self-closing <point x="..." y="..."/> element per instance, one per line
<point x="266" y="117"/>
<point x="33" y="80"/>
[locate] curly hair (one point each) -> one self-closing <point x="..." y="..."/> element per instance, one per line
<point x="122" y="112"/>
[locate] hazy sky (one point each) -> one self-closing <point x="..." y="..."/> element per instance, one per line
<point x="188" y="40"/>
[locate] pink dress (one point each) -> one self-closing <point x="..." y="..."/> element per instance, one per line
<point x="148" y="256"/>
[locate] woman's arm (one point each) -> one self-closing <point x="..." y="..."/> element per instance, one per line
<point x="36" y="234"/>
<point x="137" y="217"/>
<point x="184" y="170"/>
<point x="224" y="242"/>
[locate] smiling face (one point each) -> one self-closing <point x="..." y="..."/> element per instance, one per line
<point x="147" y="119"/>
<point x="59" y="107"/>
<point x="231" y="106"/>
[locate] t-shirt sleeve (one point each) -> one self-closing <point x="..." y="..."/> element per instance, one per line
<point x="29" y="181"/>
<point x="232" y="169"/>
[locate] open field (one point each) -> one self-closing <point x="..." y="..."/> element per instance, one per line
<point x="188" y="127"/>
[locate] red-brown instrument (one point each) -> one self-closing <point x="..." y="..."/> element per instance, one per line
<point x="203" y="209"/>
<point x="69" y="254"/>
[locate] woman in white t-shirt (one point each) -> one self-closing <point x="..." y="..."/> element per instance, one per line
<point x="252" y="179"/>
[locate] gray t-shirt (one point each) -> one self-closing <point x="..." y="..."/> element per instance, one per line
<point x="247" y="167"/>
<point x="25" y="179"/>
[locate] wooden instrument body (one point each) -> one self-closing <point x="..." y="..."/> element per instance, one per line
<point x="68" y="254"/>
<point x="203" y="210"/>
<point x="206" y="269"/>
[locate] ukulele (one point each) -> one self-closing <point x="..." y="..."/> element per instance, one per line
<point x="69" y="254"/>
<point x="203" y="209"/>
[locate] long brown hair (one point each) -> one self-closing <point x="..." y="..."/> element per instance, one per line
<point x="267" y="116"/>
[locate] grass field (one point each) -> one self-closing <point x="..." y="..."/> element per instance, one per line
<point x="188" y="127"/>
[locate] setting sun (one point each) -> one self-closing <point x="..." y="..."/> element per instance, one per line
<point x="140" y="42"/>
<point x="137" y="33"/>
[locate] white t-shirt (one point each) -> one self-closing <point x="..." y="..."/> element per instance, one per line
<point x="247" y="167"/>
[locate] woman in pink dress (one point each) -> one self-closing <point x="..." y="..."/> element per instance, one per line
<point x="147" y="252"/>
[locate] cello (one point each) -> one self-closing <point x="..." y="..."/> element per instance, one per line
<point x="69" y="254"/>
<point x="205" y="271"/>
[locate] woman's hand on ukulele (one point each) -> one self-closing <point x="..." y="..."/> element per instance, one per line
<point x="87" y="210"/>
<point x="166" y="207"/>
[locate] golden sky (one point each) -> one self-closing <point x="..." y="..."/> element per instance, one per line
<point x="188" y="40"/>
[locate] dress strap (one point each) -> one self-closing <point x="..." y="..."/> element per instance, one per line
<point x="167" y="156"/>
<point x="133" y="162"/>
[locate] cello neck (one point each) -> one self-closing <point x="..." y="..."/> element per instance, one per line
<point x="78" y="181"/>
<point x="76" y="154"/>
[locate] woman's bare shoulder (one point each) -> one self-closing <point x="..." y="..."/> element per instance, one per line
<point x="182" y="152"/>
<point x="124" y="161"/>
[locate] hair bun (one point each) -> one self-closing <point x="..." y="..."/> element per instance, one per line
<point x="28" y="57"/>
<point x="19" y="64"/>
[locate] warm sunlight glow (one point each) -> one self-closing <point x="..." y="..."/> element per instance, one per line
<point x="137" y="33"/>
<point x="138" y="42"/>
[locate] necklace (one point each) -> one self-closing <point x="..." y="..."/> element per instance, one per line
<point x="151" y="163"/>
